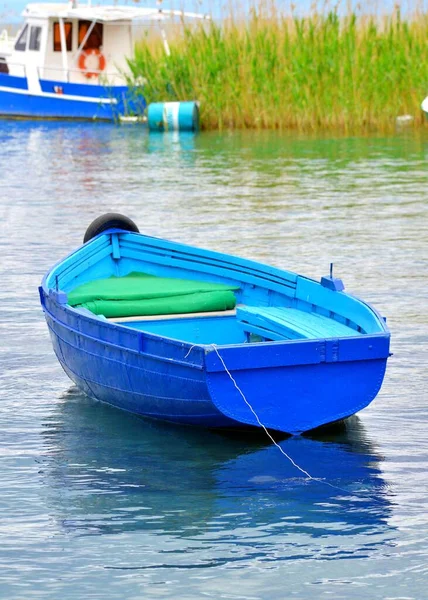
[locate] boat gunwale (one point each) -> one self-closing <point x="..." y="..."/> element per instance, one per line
<point x="53" y="295"/>
<point x="207" y="351"/>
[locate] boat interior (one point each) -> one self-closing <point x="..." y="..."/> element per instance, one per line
<point x="202" y="297"/>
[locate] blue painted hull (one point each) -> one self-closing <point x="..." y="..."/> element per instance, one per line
<point x="158" y="383"/>
<point x="75" y="101"/>
<point x="292" y="385"/>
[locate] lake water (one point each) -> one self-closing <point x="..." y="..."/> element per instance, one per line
<point x="98" y="504"/>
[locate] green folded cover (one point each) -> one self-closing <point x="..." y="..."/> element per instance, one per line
<point x="142" y="294"/>
<point x="190" y="303"/>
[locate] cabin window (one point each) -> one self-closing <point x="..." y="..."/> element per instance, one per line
<point x="35" y="37"/>
<point x="68" y="31"/>
<point x="95" y="39"/>
<point x="21" y="42"/>
<point x="3" y="66"/>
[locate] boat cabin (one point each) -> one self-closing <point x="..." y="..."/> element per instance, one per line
<point x="74" y="44"/>
<point x="77" y="43"/>
<point x="70" y="61"/>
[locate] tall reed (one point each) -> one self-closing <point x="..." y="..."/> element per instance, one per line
<point x="322" y="71"/>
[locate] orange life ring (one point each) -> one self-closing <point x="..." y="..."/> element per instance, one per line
<point x="101" y="62"/>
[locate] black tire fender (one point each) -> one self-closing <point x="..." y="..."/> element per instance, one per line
<point x="109" y="221"/>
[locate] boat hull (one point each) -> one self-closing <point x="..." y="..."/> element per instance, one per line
<point x="58" y="100"/>
<point x="291" y="387"/>
<point x="137" y="373"/>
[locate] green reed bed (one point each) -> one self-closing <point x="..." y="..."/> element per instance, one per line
<point x="318" y="72"/>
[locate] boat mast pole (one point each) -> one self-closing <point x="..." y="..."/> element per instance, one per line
<point x="63" y="48"/>
<point x="85" y="39"/>
<point x="165" y="41"/>
<point x="163" y="33"/>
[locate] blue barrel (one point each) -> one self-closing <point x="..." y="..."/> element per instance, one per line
<point x="173" y="116"/>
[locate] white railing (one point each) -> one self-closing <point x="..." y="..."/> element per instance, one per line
<point x="6" y="43"/>
<point x="79" y="76"/>
<point x="57" y="74"/>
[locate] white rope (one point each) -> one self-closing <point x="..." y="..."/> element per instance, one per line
<point x="257" y="418"/>
<point x="190" y="349"/>
<point x="287" y="456"/>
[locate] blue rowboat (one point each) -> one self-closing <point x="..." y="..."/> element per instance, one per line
<point x="172" y="332"/>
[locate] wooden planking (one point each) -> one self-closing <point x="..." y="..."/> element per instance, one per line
<point x="155" y="245"/>
<point x="207" y="258"/>
<point x="339" y="303"/>
<point x="170" y="255"/>
<point x="230" y="273"/>
<point x="87" y="264"/>
<point x="79" y="261"/>
<point x="291" y="285"/>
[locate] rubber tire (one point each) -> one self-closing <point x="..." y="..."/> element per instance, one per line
<point x="109" y="221"/>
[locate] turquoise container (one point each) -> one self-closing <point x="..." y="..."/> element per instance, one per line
<point x="173" y="116"/>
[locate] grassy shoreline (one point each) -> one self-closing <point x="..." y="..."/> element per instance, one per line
<point x="322" y="72"/>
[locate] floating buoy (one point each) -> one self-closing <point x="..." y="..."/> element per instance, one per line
<point x="173" y="116"/>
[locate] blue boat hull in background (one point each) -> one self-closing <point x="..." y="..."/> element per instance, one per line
<point x="59" y="100"/>
<point x="291" y="385"/>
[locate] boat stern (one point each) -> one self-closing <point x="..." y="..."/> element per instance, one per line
<point x="297" y="386"/>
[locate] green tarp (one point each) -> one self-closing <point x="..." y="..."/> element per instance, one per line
<point x="139" y="294"/>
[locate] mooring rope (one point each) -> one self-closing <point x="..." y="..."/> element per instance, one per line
<point x="287" y="456"/>
<point x="257" y="417"/>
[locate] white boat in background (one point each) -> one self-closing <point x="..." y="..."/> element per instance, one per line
<point x="71" y="61"/>
<point x="6" y="47"/>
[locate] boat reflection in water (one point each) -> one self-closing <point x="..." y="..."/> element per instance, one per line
<point x="109" y="472"/>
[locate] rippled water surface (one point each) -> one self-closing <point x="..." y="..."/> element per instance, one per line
<point x="99" y="504"/>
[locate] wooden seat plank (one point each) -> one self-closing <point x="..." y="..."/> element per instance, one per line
<point x="290" y="323"/>
<point x="216" y="313"/>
